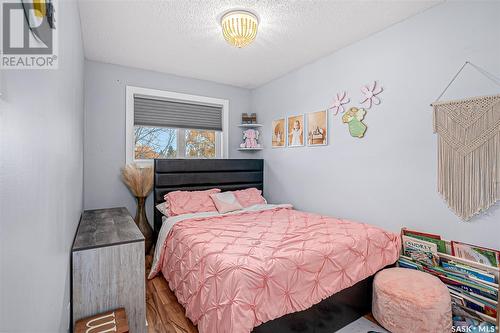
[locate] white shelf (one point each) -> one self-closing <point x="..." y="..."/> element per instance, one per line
<point x="250" y="149"/>
<point x="250" y="125"/>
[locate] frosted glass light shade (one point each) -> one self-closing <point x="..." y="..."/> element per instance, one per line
<point x="239" y="27"/>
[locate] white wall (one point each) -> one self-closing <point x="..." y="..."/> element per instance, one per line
<point x="387" y="178"/>
<point x="105" y="125"/>
<point x="41" y="184"/>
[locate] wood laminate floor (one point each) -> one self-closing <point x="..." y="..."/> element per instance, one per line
<point x="163" y="313"/>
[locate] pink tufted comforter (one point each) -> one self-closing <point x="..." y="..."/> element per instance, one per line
<point x="234" y="272"/>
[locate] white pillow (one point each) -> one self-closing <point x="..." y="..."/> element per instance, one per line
<point x="226" y="202"/>
<point x="162" y="207"/>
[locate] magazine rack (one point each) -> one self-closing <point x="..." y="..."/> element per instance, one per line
<point x="492" y="270"/>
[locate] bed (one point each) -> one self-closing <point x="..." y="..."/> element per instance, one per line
<point x="268" y="268"/>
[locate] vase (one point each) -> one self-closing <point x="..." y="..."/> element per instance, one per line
<point x="142" y="222"/>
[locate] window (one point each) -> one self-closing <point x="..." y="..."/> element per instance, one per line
<point x="163" y="124"/>
<point x="201" y="143"/>
<point x="155" y="142"/>
<point x="163" y="142"/>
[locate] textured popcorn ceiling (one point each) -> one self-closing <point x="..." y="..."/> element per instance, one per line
<point x="184" y="38"/>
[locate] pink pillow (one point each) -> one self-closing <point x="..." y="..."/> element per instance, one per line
<point x="226" y="202"/>
<point x="185" y="202"/>
<point x="249" y="197"/>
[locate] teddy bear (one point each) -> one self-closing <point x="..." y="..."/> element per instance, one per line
<point x="250" y="136"/>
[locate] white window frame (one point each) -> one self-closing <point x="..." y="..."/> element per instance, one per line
<point x="131" y="91"/>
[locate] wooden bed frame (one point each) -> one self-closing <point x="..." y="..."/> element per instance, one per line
<point x="329" y="315"/>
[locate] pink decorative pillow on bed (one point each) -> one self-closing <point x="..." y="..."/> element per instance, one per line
<point x="185" y="202"/>
<point x="226" y="202"/>
<point x="249" y="197"/>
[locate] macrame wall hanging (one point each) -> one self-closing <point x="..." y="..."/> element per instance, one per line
<point x="468" y="150"/>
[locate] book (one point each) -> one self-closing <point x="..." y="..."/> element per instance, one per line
<point x="403" y="257"/>
<point x="407" y="264"/>
<point x="471" y="274"/>
<point x="431" y="238"/>
<point x="471" y="287"/>
<point x="419" y="233"/>
<point x="418" y="244"/>
<point x="489" y="301"/>
<point x="476" y="253"/>
<point x="476" y="265"/>
<point x="494" y="285"/>
<point x="462" y="311"/>
<point x="457" y="298"/>
<point x="476" y="304"/>
<point x="420" y="251"/>
<point x="469" y="271"/>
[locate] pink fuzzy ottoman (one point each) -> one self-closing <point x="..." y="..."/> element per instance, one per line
<point x="407" y="300"/>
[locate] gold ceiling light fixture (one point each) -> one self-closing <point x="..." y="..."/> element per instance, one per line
<point x="239" y="27"/>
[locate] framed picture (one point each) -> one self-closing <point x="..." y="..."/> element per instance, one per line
<point x="279" y="133"/>
<point x="296" y="131"/>
<point x="317" y="128"/>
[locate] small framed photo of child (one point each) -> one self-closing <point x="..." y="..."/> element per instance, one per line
<point x="296" y="131"/>
<point x="279" y="133"/>
<point x="317" y="128"/>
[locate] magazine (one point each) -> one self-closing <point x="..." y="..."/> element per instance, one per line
<point x="476" y="253"/>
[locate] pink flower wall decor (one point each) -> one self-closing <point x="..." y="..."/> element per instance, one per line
<point x="370" y="93"/>
<point x="338" y="103"/>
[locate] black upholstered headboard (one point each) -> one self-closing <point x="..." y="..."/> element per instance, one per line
<point x="195" y="175"/>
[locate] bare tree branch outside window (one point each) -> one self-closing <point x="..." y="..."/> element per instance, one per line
<point x="200" y="143"/>
<point x="161" y="142"/>
<point x="155" y="142"/>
